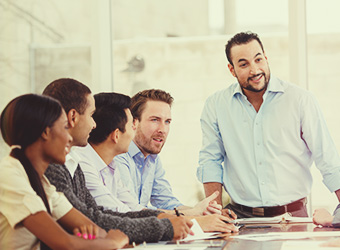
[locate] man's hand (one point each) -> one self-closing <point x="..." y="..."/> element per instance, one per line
<point x="181" y="227"/>
<point x="213" y="208"/>
<point x="322" y="217"/>
<point x="208" y="205"/>
<point x="216" y="222"/>
<point x="229" y="213"/>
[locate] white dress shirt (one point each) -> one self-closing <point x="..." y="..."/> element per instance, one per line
<point x="104" y="183"/>
<point x="72" y="161"/>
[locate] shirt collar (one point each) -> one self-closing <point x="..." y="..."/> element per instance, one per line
<point x="89" y="154"/>
<point x="274" y="85"/>
<point x="134" y="150"/>
<point x="72" y="161"/>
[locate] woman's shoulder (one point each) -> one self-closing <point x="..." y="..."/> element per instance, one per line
<point x="10" y="166"/>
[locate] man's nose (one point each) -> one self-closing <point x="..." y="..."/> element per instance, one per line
<point x="254" y="69"/>
<point x="161" y="127"/>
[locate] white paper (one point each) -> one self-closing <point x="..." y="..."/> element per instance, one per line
<point x="286" y="235"/>
<point x="304" y="244"/>
<point x="199" y="234"/>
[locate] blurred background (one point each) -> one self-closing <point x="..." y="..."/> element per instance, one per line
<point x="175" y="45"/>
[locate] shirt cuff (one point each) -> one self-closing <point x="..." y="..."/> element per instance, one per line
<point x="336" y="219"/>
<point x="62" y="207"/>
<point x="332" y="181"/>
<point x="210" y="173"/>
<point x="138" y="207"/>
<point x="151" y="207"/>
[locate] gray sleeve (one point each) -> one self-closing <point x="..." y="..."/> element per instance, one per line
<point x="336" y="214"/>
<point x="136" y="214"/>
<point x="149" y="229"/>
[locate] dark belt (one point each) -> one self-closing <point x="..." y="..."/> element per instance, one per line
<point x="272" y="211"/>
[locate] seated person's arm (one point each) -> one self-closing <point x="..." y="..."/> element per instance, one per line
<point x="47" y="230"/>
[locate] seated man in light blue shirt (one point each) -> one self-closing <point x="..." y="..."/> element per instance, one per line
<point x="112" y="136"/>
<point x="140" y="168"/>
<point x="267" y="133"/>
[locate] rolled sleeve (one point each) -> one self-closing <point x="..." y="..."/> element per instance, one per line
<point x="212" y="152"/>
<point x="57" y="200"/>
<point x="331" y="181"/>
<point x="320" y="143"/>
<point x="31" y="204"/>
<point x="61" y="206"/>
<point x="336" y="219"/>
<point x="210" y="172"/>
<point x="16" y="193"/>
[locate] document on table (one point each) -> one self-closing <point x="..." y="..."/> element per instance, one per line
<point x="306" y="244"/>
<point x="285" y="218"/>
<point x="199" y="234"/>
<point x="185" y="244"/>
<point x="286" y="235"/>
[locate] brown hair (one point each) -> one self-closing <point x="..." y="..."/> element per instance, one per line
<point x="70" y="93"/>
<point x="139" y="100"/>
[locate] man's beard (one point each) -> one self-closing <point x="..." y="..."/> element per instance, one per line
<point x="251" y="88"/>
<point x="145" y="143"/>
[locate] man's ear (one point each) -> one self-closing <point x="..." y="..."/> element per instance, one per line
<point x="115" y="135"/>
<point x="73" y="118"/>
<point x="231" y="69"/>
<point x="135" y="123"/>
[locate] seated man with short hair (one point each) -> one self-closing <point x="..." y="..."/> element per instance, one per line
<point x="112" y="136"/>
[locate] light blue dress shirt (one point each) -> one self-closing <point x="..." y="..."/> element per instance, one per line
<point x="145" y="179"/>
<point x="267" y="154"/>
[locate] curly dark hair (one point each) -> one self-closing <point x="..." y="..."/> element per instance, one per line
<point x="238" y="39"/>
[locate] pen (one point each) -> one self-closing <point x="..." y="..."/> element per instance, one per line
<point x="230" y="222"/>
<point x="257" y="227"/>
<point x="176" y="212"/>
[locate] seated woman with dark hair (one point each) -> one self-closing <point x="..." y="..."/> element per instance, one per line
<point x="31" y="211"/>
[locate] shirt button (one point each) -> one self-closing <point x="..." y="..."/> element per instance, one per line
<point x="262" y="182"/>
<point x="258" y="144"/>
<point x="260" y="163"/>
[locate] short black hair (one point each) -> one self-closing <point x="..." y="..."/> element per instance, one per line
<point x="70" y="93"/>
<point x="238" y="39"/>
<point x="109" y="115"/>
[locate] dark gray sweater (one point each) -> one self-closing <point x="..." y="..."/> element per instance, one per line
<point x="138" y="226"/>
